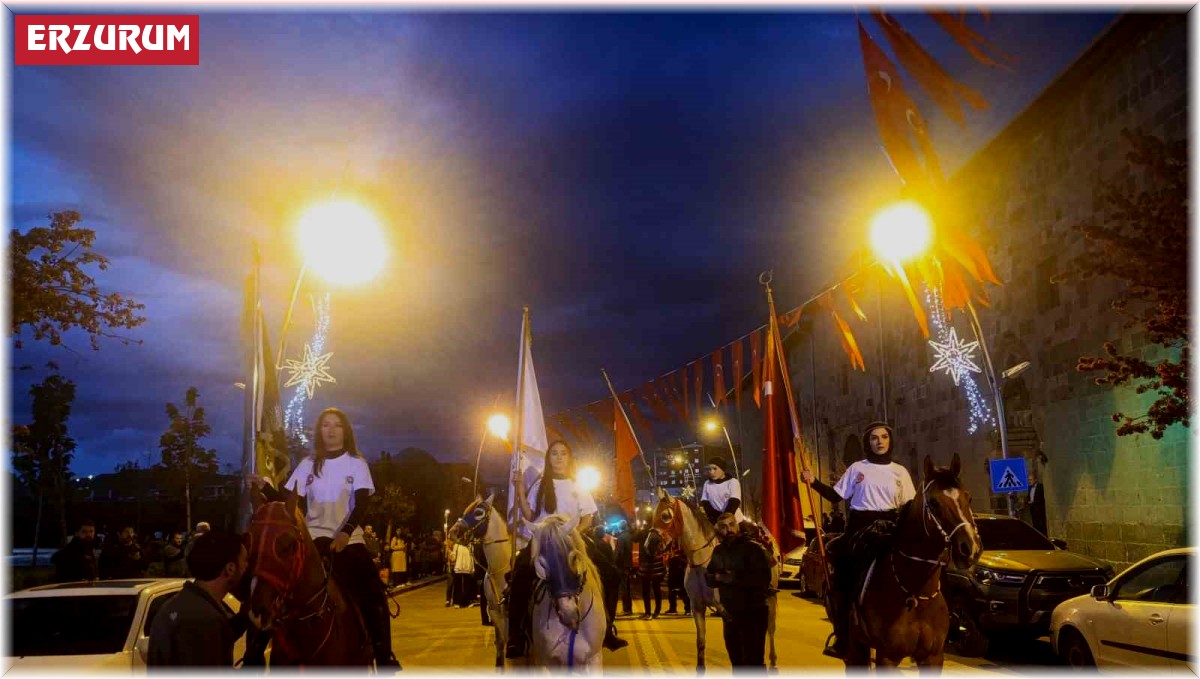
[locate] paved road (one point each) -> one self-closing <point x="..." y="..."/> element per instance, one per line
<point x="429" y="636"/>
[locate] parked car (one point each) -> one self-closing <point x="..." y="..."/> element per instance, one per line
<point x="1140" y="619"/>
<point x="1019" y="579"/>
<point x="805" y="567"/>
<point x="86" y="626"/>
<point x="789" y="572"/>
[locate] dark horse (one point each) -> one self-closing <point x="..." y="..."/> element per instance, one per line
<point x="899" y="610"/>
<point x="312" y="621"/>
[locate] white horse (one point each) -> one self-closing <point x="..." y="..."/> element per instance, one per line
<point x="567" y="617"/>
<point x="483" y="522"/>
<point x="697" y="537"/>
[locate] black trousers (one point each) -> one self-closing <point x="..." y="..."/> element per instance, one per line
<point x="652" y="585"/>
<point x="624" y="584"/>
<point x="746" y="636"/>
<point x="355" y="572"/>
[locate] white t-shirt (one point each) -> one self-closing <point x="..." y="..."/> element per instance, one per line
<point x="876" y="487"/>
<point x="719" y="495"/>
<point x="572" y="501"/>
<point x="330" y="496"/>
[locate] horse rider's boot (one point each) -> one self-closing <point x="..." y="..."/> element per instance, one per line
<point x="612" y="642"/>
<point x="835" y="646"/>
<point x="381" y="641"/>
<point x="518" y="613"/>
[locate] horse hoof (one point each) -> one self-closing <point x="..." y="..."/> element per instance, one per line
<point x="700" y="670"/>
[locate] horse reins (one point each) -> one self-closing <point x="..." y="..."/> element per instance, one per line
<point x="927" y="515"/>
<point x="678" y="511"/>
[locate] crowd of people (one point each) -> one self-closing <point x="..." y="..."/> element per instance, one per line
<point x="92" y="555"/>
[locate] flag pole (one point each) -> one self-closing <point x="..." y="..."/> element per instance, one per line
<point x="628" y="423"/>
<point x="801" y="458"/>
<point x="514" y="515"/>
<point x="737" y="472"/>
<point x="249" y="399"/>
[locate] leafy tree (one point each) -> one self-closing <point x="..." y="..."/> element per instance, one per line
<point x="52" y="291"/>
<point x="182" y="455"/>
<point x="1142" y="242"/>
<point x="391" y="507"/>
<point x="43" y="450"/>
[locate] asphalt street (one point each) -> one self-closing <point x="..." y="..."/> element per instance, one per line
<point x="429" y="636"/>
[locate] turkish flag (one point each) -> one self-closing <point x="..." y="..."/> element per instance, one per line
<point x="718" y="361"/>
<point x="756" y="366"/>
<point x="626" y="450"/>
<point x="738" y="354"/>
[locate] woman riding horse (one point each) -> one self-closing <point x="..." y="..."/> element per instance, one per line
<point x="562" y="495"/>
<point x="876" y="488"/>
<point x="333" y="488"/>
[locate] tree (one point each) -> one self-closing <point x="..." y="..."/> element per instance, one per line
<point x="390" y="507"/>
<point x="43" y="450"/>
<point x="1142" y="242"/>
<point x="51" y="290"/>
<point x="182" y="455"/>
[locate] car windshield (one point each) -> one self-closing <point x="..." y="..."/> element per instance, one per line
<point x="1010" y="534"/>
<point x="70" y="625"/>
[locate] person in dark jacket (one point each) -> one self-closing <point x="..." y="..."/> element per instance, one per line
<point x="625" y="567"/>
<point x="123" y="558"/>
<point x="651" y="570"/>
<point x="77" y="560"/>
<point x="196" y="628"/>
<point x="676" y="568"/>
<point x="174" y="565"/>
<point x="741" y="572"/>
<point x="605" y="559"/>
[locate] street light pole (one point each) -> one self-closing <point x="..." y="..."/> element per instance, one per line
<point x="1001" y="423"/>
<point x="737" y="472"/>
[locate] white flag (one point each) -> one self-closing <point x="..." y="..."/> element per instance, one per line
<point x="529" y="445"/>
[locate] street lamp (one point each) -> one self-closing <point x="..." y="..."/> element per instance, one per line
<point x="497" y="425"/>
<point x="901" y="231"/>
<point x="712" y="424"/>
<point x="446" y="523"/>
<point x="342" y="241"/>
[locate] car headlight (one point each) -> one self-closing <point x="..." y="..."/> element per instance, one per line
<point x="988" y="576"/>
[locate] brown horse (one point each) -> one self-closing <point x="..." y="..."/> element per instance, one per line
<point x="899" y="610"/>
<point x="312" y="621"/>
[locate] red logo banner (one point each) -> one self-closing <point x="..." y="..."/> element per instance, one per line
<point x="106" y="40"/>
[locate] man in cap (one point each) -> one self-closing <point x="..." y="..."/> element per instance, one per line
<point x="722" y="492"/>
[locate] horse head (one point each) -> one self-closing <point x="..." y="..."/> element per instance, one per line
<point x="947" y="508"/>
<point x="560" y="559"/>
<point x="668" y="517"/>
<point x="280" y="551"/>
<point x="474" y="519"/>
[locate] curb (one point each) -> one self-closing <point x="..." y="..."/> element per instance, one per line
<point x="404" y="589"/>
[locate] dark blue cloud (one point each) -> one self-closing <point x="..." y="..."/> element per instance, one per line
<point x="626" y="175"/>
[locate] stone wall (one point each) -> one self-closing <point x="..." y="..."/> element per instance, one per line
<point x="1118" y="498"/>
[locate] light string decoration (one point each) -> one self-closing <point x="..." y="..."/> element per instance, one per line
<point x="308" y="373"/>
<point x="956" y="358"/>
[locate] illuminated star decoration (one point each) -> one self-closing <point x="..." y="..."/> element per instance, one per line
<point x="980" y="414"/>
<point x="293" y="418"/>
<point x="309" y="372"/>
<point x="953" y="355"/>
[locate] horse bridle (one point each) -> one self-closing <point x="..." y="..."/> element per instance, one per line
<point x="285" y="587"/>
<point x="676" y="531"/>
<point x="927" y="516"/>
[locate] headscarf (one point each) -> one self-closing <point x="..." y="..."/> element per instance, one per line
<point x="871" y="457"/>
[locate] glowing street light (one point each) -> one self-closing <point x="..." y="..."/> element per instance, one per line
<point x="711" y="425"/>
<point x="342" y="241"/>
<point x="588" y="478"/>
<point x="901" y="231"/>
<point x="499" y="425"/>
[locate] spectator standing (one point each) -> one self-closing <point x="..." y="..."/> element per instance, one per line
<point x="676" y="568"/>
<point x="651" y="571"/>
<point x="124" y="558"/>
<point x="464" y="573"/>
<point x="77" y="560"/>
<point x="174" y="564"/>
<point x="399" y="563"/>
<point x="625" y="566"/>
<point x="741" y="572"/>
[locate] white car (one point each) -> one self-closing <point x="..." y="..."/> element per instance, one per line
<point x="84" y="626"/>
<point x="1141" y="619"/>
<point x="790" y="570"/>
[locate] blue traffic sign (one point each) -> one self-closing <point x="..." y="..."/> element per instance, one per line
<point x="1009" y="475"/>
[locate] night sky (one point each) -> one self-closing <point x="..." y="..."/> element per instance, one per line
<point x="626" y="175"/>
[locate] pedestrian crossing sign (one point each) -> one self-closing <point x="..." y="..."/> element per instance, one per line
<point x="1009" y="475"/>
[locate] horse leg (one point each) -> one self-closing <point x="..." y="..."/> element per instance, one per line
<point x="932" y="663"/>
<point x="698" y="613"/>
<point x="886" y="664"/>
<point x="772" y="604"/>
<point x="858" y="655"/>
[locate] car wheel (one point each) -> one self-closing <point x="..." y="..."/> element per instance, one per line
<point x="970" y="641"/>
<point x="803" y="580"/>
<point x="1073" y="649"/>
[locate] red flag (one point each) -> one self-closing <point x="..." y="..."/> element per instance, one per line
<point x="639" y="420"/>
<point x="971" y="41"/>
<point x="670" y="386"/>
<point x="756" y="359"/>
<point x="718" y="361"/>
<point x="626" y="450"/>
<point x="654" y="400"/>
<point x="945" y="91"/>
<point x="585" y="431"/>
<point x="602" y="411"/>
<point x="738" y="355"/>
<point x="698" y="385"/>
<point x="783" y="512"/>
<point x="896" y="115"/>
